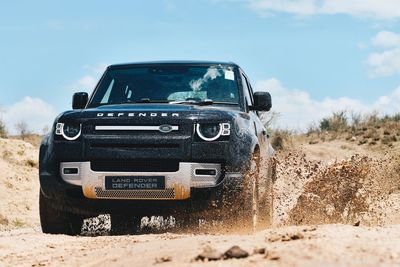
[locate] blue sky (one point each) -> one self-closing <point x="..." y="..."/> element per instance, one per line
<point x="323" y="54"/>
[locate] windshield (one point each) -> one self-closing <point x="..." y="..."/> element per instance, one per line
<point x="148" y="84"/>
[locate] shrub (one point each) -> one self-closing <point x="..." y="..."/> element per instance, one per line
<point x="281" y="139"/>
<point x="356" y="118"/>
<point x="337" y="122"/>
<point x="22" y="128"/>
<point x="312" y="128"/>
<point x="3" y="131"/>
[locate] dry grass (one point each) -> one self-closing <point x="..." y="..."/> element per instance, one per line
<point x="3" y="131"/>
<point x="33" y="139"/>
<point x="18" y="223"/>
<point x="281" y="139"/>
<point x="3" y="220"/>
<point x="367" y="129"/>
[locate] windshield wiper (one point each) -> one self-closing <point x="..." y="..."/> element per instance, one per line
<point x="203" y="102"/>
<point x="146" y="100"/>
<point x="194" y="102"/>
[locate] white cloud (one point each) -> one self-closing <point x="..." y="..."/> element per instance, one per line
<point x="386" y="62"/>
<point x="298" y="109"/>
<point x="386" y="39"/>
<point x="88" y="82"/>
<point x="301" y="7"/>
<point x="379" y="9"/>
<point x="34" y="111"/>
<point x="388" y="104"/>
<point x="97" y="69"/>
<point x="84" y="84"/>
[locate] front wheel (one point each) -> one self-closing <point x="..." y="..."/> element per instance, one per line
<point x="267" y="199"/>
<point x="251" y="202"/>
<point x="54" y="221"/>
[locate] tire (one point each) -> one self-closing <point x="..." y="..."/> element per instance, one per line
<point x="251" y="203"/>
<point x="267" y="200"/>
<point x="124" y="225"/>
<point x="54" y="221"/>
<point x="272" y="179"/>
<point x="240" y="201"/>
<point x="251" y="194"/>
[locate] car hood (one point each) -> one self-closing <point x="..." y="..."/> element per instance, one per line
<point x="155" y="113"/>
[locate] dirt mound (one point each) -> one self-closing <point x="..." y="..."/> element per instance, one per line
<point x="19" y="184"/>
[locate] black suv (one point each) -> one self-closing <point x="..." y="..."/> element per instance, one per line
<point x="159" y="138"/>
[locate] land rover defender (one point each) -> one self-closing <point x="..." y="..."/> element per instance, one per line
<point x="159" y="138"/>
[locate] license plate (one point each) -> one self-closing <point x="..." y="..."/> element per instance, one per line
<point x="135" y="182"/>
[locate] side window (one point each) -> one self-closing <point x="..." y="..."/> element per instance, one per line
<point x="250" y="90"/>
<point x="246" y="90"/>
<point x="106" y="96"/>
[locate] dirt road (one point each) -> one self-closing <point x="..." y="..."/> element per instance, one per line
<point x="327" y="245"/>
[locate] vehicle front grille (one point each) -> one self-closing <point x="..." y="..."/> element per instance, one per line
<point x="137" y="165"/>
<point x="133" y="146"/>
<point x="168" y="193"/>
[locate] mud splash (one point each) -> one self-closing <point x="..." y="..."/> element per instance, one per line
<point x="351" y="191"/>
<point x="357" y="190"/>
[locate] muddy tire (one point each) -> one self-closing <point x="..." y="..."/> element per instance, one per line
<point x="251" y="203"/>
<point x="240" y="204"/>
<point x="125" y="225"/>
<point x="266" y="211"/>
<point x="250" y="211"/>
<point x="54" y="221"/>
<point x="267" y="199"/>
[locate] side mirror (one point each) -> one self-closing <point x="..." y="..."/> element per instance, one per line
<point x="79" y="100"/>
<point x="262" y="101"/>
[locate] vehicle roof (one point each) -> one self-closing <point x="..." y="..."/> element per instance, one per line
<point x="174" y="62"/>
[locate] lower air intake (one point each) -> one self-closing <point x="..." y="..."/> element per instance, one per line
<point x="137" y="165"/>
<point x="168" y="193"/>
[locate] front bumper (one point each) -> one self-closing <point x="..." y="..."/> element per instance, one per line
<point x="177" y="184"/>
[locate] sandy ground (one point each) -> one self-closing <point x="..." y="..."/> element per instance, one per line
<point x="321" y="188"/>
<point x="327" y="245"/>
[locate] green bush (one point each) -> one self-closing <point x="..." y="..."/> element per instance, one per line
<point x="337" y="122"/>
<point x="391" y="118"/>
<point x="3" y="131"/>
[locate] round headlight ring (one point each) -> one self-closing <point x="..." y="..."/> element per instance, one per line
<point x="198" y="130"/>
<point x="71" y="138"/>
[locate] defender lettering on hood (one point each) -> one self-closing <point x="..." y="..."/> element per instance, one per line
<point x="138" y="114"/>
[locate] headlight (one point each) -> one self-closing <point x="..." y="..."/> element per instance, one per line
<point x="212" y="131"/>
<point x="70" y="131"/>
